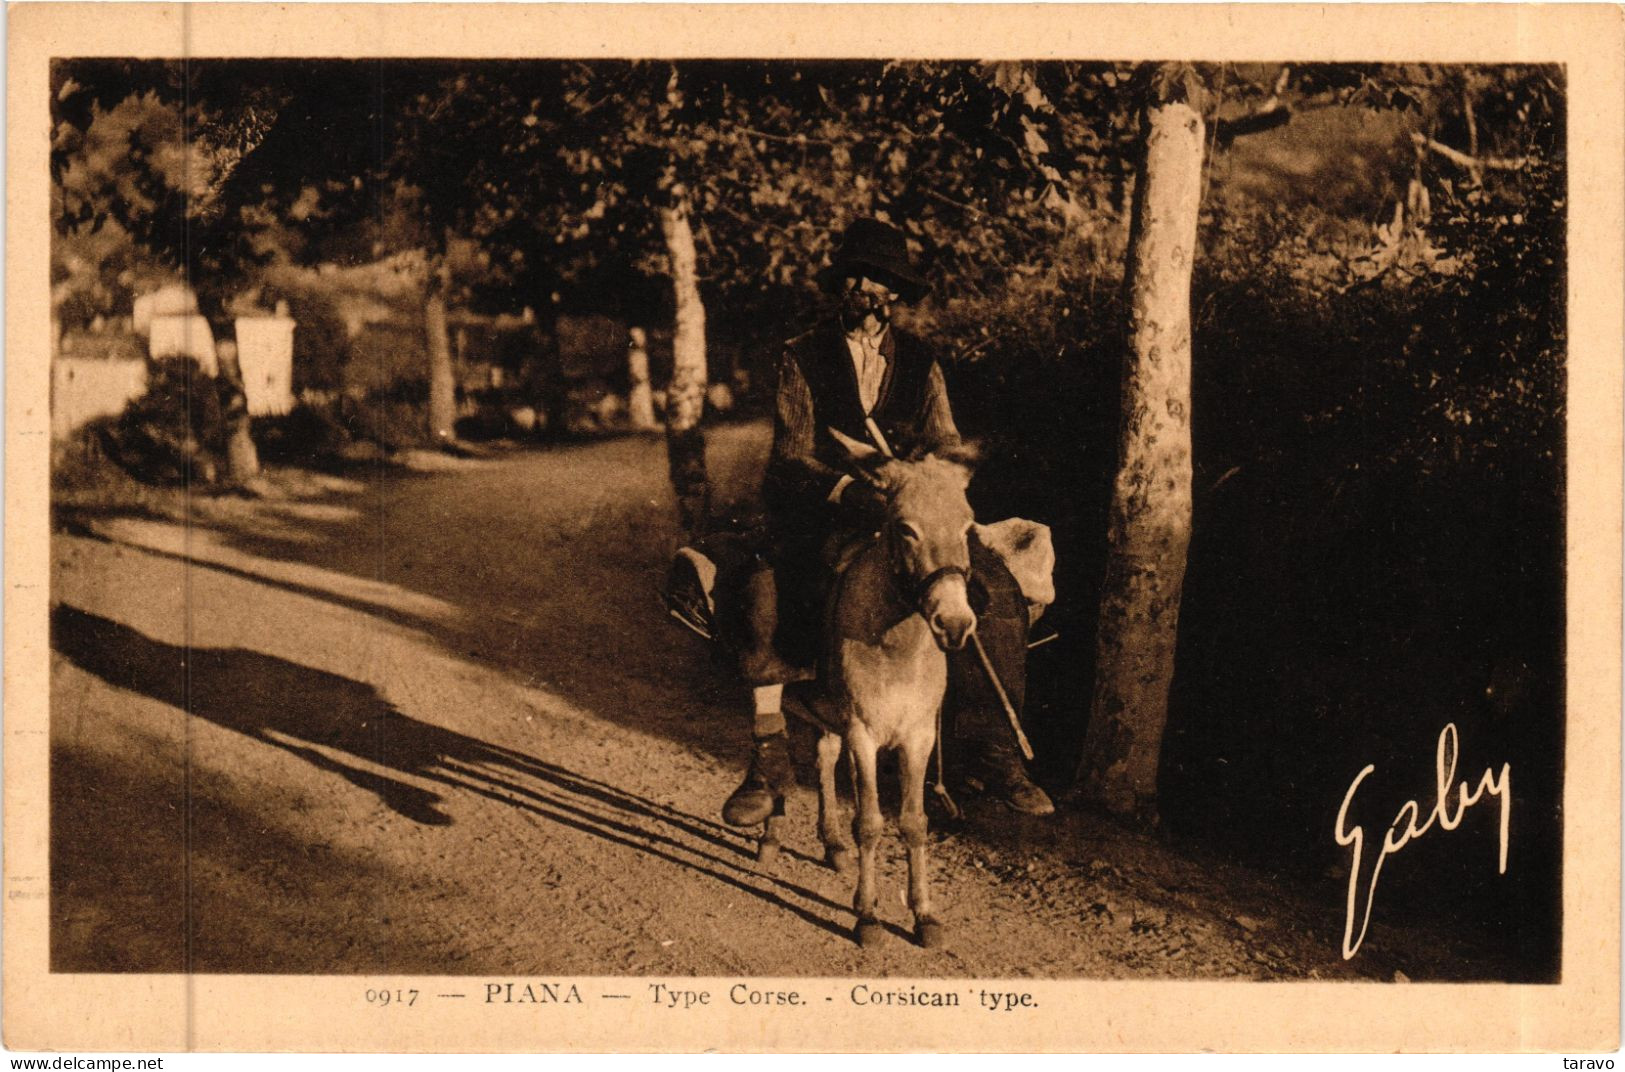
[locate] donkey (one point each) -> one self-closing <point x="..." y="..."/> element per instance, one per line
<point x="896" y="609"/>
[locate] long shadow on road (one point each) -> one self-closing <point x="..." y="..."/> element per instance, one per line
<point x="345" y="728"/>
<point x="550" y="563"/>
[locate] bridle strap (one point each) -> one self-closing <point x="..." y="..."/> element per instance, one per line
<point x="924" y="587"/>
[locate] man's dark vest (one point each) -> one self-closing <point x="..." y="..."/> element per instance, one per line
<point x="826" y="364"/>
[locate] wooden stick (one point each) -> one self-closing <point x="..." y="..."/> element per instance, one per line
<point x="878" y="436"/>
<point x="941" y="786"/>
<point x="1004" y="698"/>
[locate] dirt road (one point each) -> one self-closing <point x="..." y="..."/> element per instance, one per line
<point x="437" y="722"/>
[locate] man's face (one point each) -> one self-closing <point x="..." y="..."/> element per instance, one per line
<point x="866" y="301"/>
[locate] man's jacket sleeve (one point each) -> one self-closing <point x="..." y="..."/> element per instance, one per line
<point x="795" y="476"/>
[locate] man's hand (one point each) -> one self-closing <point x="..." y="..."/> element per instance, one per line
<point x="864" y="505"/>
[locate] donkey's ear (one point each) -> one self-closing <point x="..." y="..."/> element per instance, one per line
<point x="866" y="461"/>
<point x="857" y="451"/>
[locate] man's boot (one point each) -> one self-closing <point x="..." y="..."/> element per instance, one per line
<point x="992" y="763"/>
<point x="996" y="767"/>
<point x="770" y="777"/>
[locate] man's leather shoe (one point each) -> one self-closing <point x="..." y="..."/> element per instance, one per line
<point x="1002" y="774"/>
<point x="770" y="777"/>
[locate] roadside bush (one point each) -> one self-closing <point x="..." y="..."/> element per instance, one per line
<point x="394" y="419"/>
<point x="173" y="433"/>
<point x="308" y="436"/>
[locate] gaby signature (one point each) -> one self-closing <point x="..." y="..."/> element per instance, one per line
<point x="1409" y="824"/>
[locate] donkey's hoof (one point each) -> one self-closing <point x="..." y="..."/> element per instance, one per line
<point x="930" y="934"/>
<point x="773" y="831"/>
<point x="870" y="933"/>
<point x="841" y="861"/>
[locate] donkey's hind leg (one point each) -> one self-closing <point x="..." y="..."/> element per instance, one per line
<point x="869" y="825"/>
<point x="831" y="830"/>
<point x="911" y="822"/>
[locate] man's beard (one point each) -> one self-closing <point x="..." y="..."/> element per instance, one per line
<point x="857" y="308"/>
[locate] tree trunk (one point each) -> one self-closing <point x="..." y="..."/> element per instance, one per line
<point x="640" y="403"/>
<point x="242" y="457"/>
<point x="685" y="397"/>
<point x="1150" y="521"/>
<point x="442" y="380"/>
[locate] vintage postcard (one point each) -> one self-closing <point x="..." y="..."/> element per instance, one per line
<point x="858" y="528"/>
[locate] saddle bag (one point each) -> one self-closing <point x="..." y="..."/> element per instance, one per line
<point x="725" y="555"/>
<point x="690" y="591"/>
<point x="1029" y="554"/>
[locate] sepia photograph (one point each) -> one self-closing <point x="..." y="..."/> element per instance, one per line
<point x="843" y="528"/>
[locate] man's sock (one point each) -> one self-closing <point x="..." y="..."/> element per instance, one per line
<point x="769" y="719"/>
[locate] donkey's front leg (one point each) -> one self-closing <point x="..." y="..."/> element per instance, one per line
<point x="911" y="821"/>
<point x="831" y="830"/>
<point x="868" y="825"/>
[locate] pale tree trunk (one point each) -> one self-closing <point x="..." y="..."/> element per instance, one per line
<point x="1150" y="521"/>
<point x="685" y="398"/>
<point x="640" y="403"/>
<point x="442" y="380"/>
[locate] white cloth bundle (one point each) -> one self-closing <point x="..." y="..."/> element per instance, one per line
<point x="1029" y="554"/>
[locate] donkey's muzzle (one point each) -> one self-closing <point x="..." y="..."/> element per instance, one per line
<point x="945" y="605"/>
<point x="954" y="632"/>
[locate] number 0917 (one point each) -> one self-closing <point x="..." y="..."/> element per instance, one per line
<point x="383" y="997"/>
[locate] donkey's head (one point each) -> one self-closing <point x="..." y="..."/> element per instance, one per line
<point x="928" y="522"/>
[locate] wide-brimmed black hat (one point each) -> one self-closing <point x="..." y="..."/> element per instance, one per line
<point x="879" y="251"/>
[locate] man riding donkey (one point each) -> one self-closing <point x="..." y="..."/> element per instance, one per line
<point x="857" y="374"/>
